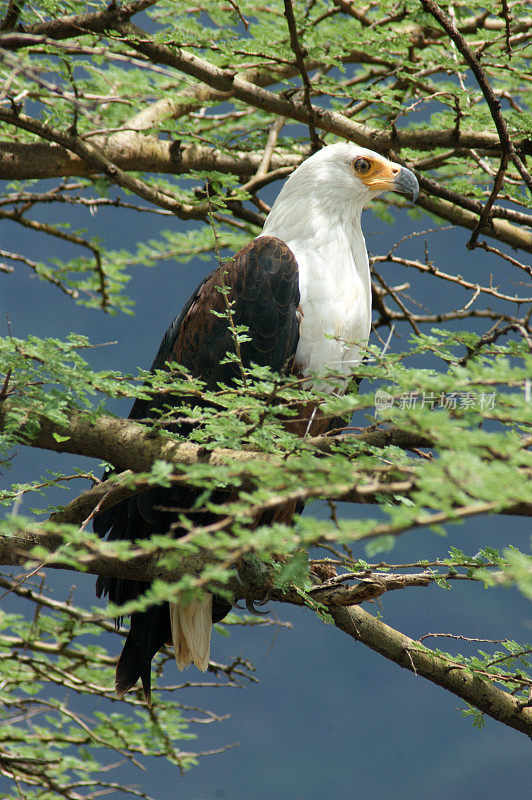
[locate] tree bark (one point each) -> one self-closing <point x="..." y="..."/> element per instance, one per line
<point x="454" y="677"/>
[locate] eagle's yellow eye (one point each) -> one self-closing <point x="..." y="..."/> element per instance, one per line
<point x="362" y="165"/>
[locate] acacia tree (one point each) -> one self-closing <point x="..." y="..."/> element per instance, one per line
<point x="157" y="108"/>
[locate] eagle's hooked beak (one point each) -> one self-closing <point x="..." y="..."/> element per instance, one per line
<point x="405" y="182"/>
<point x="381" y="175"/>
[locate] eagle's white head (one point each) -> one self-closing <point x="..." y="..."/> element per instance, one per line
<point x="337" y="182"/>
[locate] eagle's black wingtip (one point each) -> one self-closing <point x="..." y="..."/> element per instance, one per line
<point x="125" y="681"/>
<point x="120" y="690"/>
<point x="146" y="687"/>
<point x="129" y="667"/>
<point x="149" y="630"/>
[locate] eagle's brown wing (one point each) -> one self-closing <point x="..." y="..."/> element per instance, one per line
<point x="263" y="286"/>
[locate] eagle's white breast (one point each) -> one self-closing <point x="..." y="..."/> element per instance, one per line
<point x="336" y="303"/>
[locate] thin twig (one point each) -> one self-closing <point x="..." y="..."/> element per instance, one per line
<point x="492" y="100"/>
<point x="270" y="147"/>
<point x="485" y="213"/>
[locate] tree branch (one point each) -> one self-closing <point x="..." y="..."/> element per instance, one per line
<point x="355" y="621"/>
<point x="300" y="54"/>
<point x="412" y="655"/>
<point x="132" y="446"/>
<point x="75" y="25"/>
<point x="227" y="81"/>
<point x="14" y="10"/>
<point x="130" y="151"/>
<point x="98" y="161"/>
<point x="498" y="228"/>
<point x="488" y="205"/>
<point x="252" y="583"/>
<point x="147" y="154"/>
<point x="493" y="102"/>
<point x="67" y="237"/>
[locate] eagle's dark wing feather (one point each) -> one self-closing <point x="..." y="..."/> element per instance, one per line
<point x="263" y="286"/>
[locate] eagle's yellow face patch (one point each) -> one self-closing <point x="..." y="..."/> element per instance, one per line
<point x="376" y="173"/>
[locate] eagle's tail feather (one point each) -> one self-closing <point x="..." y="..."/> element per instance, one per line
<point x="191" y="627"/>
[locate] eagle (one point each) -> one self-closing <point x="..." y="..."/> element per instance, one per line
<point x="302" y="288"/>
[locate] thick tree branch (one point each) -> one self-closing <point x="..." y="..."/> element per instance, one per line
<point x="133" y="151"/>
<point x="110" y="492"/>
<point x="234" y="85"/>
<point x="147" y="154"/>
<point x="131" y="446"/>
<point x="237" y="84"/>
<point x="498" y="228"/>
<point x="144" y="153"/>
<point x="434" y="189"/>
<point x="79" y="24"/>
<point x="251" y="584"/>
<point x="99" y="161"/>
<point x="121" y="442"/>
<point x="130" y="151"/>
<point x="14" y="10"/>
<point x="412" y="655"/>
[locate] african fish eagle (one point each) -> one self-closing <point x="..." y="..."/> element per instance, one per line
<point x="303" y="290"/>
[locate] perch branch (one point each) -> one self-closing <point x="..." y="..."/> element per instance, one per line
<point x="412" y="655"/>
